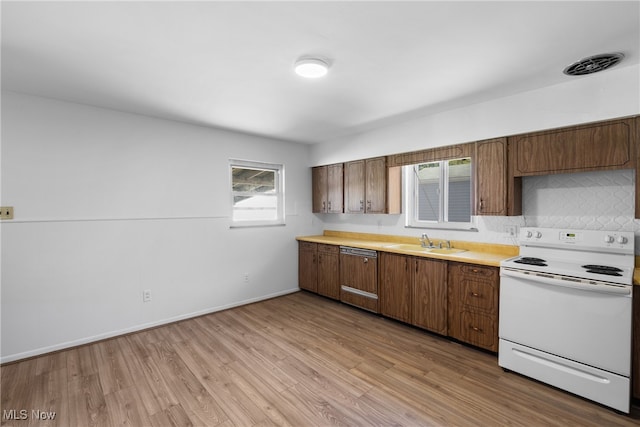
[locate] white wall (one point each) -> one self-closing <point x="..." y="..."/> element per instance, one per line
<point x="611" y="94"/>
<point x="108" y="204"/>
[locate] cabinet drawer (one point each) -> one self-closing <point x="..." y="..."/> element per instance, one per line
<point x="329" y="249"/>
<point x="307" y="246"/>
<point x="477" y="271"/>
<point x="479" y="329"/>
<point x="480" y="295"/>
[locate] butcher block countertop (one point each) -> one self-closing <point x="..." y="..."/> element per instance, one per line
<point x="476" y="253"/>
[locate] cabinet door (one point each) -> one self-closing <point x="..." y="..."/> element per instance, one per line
<point x="328" y="272"/>
<point x="376" y="185"/>
<point x="491" y="177"/>
<point x="636" y="345"/>
<point x="580" y="148"/>
<point x="307" y="266"/>
<point x="395" y="286"/>
<point x="319" y="184"/>
<point x="335" y="192"/>
<point x="430" y="295"/>
<point x="354" y="186"/>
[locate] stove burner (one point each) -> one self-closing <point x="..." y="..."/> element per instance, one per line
<point x="603" y="269"/>
<point x="531" y="261"/>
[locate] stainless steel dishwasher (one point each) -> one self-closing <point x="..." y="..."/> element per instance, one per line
<point x="359" y="277"/>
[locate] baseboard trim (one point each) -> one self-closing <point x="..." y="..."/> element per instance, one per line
<point x="137" y="328"/>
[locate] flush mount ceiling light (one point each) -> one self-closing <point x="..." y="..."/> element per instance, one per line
<point x="593" y="64"/>
<point x="311" y="68"/>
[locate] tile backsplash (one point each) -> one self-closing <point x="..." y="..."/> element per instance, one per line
<point x="592" y="200"/>
<point x="602" y="200"/>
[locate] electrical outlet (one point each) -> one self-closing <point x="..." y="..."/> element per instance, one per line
<point x="6" y="212"/>
<point x="246" y="277"/>
<point x="146" y="295"/>
<point x="511" y="230"/>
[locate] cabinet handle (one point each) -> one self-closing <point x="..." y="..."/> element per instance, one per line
<point x="481" y="204"/>
<point x="329" y="206"/>
<point x="368" y="205"/>
<point x="474" y="294"/>
<point x="324" y="206"/>
<point x="362" y="205"/>
<point x="319" y="259"/>
<point x="476" y="329"/>
<point x="365" y="260"/>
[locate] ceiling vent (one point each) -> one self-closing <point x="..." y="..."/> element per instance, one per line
<point x="593" y="64"/>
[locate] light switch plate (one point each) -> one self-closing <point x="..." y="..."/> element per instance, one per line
<point x="6" y="212"/>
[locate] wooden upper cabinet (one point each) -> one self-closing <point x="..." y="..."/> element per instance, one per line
<point x="376" y="185"/>
<point x="335" y="193"/>
<point x="491" y="177"/>
<point x="327" y="182"/>
<point x="598" y="146"/>
<point x="354" y="187"/>
<point x="319" y="185"/>
<point x="371" y="187"/>
<point x="432" y="154"/>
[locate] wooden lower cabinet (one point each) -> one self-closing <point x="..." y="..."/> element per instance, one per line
<point x="449" y="298"/>
<point x="328" y="271"/>
<point x="414" y="290"/>
<point x="318" y="268"/>
<point x="308" y="266"/>
<point x="635" y="369"/>
<point x="473" y="293"/>
<point x="430" y="295"/>
<point x="395" y="286"/>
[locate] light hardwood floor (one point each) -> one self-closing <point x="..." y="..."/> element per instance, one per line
<point x="297" y="360"/>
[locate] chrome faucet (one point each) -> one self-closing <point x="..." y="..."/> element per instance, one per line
<point x="448" y="242"/>
<point x="424" y="239"/>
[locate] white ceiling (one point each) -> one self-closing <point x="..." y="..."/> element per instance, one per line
<point x="229" y="64"/>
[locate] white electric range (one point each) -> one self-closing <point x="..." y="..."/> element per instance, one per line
<point x="566" y="311"/>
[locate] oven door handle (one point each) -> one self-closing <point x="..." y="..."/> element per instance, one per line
<point x="621" y="290"/>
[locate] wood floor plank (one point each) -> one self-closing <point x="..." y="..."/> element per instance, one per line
<point x="112" y="370"/>
<point x="124" y="408"/>
<point x="87" y="404"/>
<point x="296" y="360"/>
<point x="189" y="391"/>
<point x="174" y="416"/>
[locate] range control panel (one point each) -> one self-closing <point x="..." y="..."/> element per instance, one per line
<point x="618" y="241"/>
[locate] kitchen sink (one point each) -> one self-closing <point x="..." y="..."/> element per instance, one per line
<point x="445" y="250"/>
<point x="418" y="248"/>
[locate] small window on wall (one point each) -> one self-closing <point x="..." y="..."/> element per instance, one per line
<point x="438" y="194"/>
<point x="257" y="193"/>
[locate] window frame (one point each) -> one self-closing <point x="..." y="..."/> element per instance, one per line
<point x="279" y="193"/>
<point x="410" y="180"/>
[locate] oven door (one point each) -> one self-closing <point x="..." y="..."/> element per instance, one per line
<point x="588" y="324"/>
